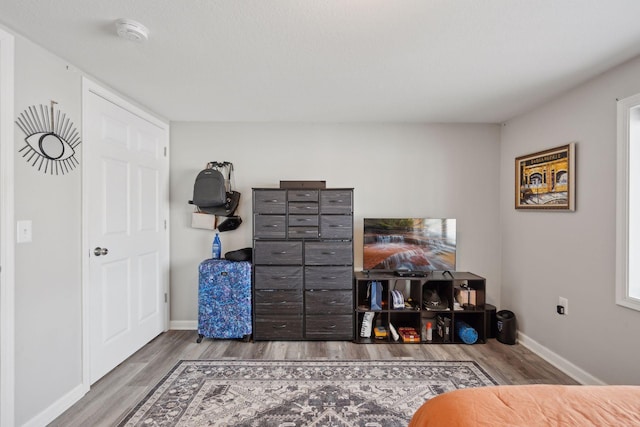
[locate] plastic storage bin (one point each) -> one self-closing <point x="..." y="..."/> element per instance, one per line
<point x="506" y="325"/>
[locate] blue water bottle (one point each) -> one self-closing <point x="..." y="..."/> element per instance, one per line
<point x="216" y="248"/>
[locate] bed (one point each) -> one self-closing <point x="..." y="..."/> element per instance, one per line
<point x="532" y="405"/>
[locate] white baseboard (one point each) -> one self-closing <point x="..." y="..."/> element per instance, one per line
<point x="578" y="374"/>
<point x="184" y="325"/>
<point x="57" y="408"/>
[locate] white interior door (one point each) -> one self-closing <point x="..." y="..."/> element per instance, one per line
<point x="126" y="220"/>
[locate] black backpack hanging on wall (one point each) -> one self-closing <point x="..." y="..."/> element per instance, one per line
<point x="209" y="190"/>
<point x="212" y="192"/>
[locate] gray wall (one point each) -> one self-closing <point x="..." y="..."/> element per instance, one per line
<point x="48" y="276"/>
<point x="572" y="254"/>
<point x="48" y="331"/>
<point x="396" y="170"/>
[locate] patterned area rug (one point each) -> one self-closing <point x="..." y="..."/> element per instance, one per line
<point x="300" y="393"/>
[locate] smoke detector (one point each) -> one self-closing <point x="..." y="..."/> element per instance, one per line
<point x="129" y="29"/>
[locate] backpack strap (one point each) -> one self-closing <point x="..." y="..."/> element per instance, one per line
<point x="226" y="168"/>
<point x="230" y="172"/>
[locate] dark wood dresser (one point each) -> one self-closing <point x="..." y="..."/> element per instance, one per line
<point x="303" y="264"/>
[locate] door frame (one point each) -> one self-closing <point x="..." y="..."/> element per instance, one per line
<point x="7" y="243"/>
<point x="89" y="87"/>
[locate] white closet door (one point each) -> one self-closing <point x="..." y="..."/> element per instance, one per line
<point x="126" y="229"/>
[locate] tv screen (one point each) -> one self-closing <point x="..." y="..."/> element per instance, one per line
<point x="414" y="244"/>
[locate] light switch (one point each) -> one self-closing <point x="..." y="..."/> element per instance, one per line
<point x="23" y="234"/>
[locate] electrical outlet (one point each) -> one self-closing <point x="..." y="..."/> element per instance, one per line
<point x="564" y="303"/>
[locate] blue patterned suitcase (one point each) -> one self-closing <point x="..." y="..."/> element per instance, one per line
<point x="224" y="299"/>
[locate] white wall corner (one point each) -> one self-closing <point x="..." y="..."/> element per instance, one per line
<point x="57" y="408"/>
<point x="7" y="253"/>
<point x="575" y="372"/>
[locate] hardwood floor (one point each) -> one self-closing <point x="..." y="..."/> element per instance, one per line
<point x="111" y="398"/>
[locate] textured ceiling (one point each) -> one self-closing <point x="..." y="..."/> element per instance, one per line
<point x="337" y="60"/>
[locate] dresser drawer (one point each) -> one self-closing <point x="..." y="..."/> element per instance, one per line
<point x="328" y="302"/>
<point x="270" y="201"/>
<point x="328" y="277"/>
<point x="278" y="302"/>
<point x="278" y="277"/>
<point x="278" y="328"/>
<point x="277" y="253"/>
<point x="328" y="253"/>
<point x="303" y="208"/>
<point x="303" y="220"/>
<point x="269" y="227"/>
<point x="303" y="195"/>
<point x="336" y="227"/>
<point x="336" y="202"/>
<point x="329" y="327"/>
<point x="303" y="232"/>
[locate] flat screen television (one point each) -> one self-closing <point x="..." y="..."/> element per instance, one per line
<point x="413" y="244"/>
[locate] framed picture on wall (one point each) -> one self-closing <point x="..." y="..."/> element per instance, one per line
<point x="546" y="180"/>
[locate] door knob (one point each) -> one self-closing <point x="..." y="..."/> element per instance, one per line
<point x="100" y="251"/>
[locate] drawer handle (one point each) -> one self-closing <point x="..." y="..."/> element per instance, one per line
<point x="283" y="326"/>
<point x="330" y="327"/>
<point x="271" y="226"/>
<point x="328" y="253"/>
<point x="279" y="253"/>
<point x="329" y="278"/>
<point x="336" y="303"/>
<point x="336" y="201"/>
<point x="271" y="201"/>
<point x="336" y="226"/>
<point x="280" y="277"/>
<point x="303" y="194"/>
<point x="303" y="219"/>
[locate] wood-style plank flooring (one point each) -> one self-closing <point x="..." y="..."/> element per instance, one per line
<point x="113" y="396"/>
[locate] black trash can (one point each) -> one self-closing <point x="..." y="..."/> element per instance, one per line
<point x="506" y="323"/>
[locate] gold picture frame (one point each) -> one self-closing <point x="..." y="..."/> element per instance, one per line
<point x="546" y="180"/>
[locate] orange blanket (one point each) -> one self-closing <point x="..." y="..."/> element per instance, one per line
<point x="532" y="405"/>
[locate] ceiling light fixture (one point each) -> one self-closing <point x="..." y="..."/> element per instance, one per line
<point x="129" y="29"/>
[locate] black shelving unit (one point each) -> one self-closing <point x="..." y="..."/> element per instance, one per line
<point x="447" y="285"/>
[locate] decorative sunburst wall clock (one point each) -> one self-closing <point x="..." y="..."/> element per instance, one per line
<point x="51" y="139"/>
